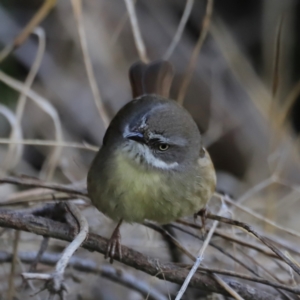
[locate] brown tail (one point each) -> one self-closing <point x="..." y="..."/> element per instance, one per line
<point x="153" y="78"/>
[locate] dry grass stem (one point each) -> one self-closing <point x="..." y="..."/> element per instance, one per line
<point x="15" y="126"/>
<point x="139" y="43"/>
<point x="52" y="161"/>
<point x="176" y="39"/>
<point x="257" y="235"/>
<point x="34" y="22"/>
<point x="276" y="73"/>
<point x="194" y="57"/>
<point x="77" y="10"/>
<point x="198" y="261"/>
<point x="35" y="183"/>
<point x="30" y="221"/>
<point x="15" y="150"/>
<point x="262" y="218"/>
<point x="241" y="67"/>
<point x="54" y="281"/>
<point x="11" y="279"/>
<point x="49" y="143"/>
<point x="87" y="265"/>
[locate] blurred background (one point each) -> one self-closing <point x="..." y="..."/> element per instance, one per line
<point x="248" y="113"/>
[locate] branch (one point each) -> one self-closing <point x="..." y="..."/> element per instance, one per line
<point x="167" y="271"/>
<point x="90" y="266"/>
<point x="139" y="43"/>
<point x="259" y="236"/>
<point x="54" y="281"/>
<point x="31" y="182"/>
<point x="193" y="60"/>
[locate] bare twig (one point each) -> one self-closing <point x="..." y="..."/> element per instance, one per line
<point x="54" y="281"/>
<point x="192" y="63"/>
<point x="254" y="190"/>
<point x="47" y="107"/>
<point x="261" y="218"/>
<point x="220" y="249"/>
<point x="136" y="31"/>
<point x="41" y="195"/>
<point x="77" y="9"/>
<point x="15" y="150"/>
<point x="11" y="118"/>
<point x="167" y="234"/>
<point x="185" y="16"/>
<point x="87" y="265"/>
<point x="244" y="243"/>
<point x="34" y="263"/>
<point x="23" y="35"/>
<point x="198" y="261"/>
<point x="275" y="81"/>
<point x="11" y="279"/>
<point x="259" y="236"/>
<point x="40" y="253"/>
<point x="171" y="272"/>
<point x="48" y="143"/>
<point x="288" y="103"/>
<point x="31" y="182"/>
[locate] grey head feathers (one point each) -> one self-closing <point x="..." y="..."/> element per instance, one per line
<point x="152" y="129"/>
<point x="158" y="129"/>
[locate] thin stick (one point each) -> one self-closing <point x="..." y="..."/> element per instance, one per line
<point x="43" y="248"/>
<point x="48" y="143"/>
<point x="57" y="286"/>
<point x="168" y="235"/>
<point x="243" y="243"/>
<point x="261" y="218"/>
<point x="197" y="262"/>
<point x="257" y="235"/>
<point x="276" y="73"/>
<point x="139" y="43"/>
<point x="287" y="104"/>
<point x="77" y="10"/>
<point x="227" y="287"/>
<point x="35" y="262"/>
<point x="87" y="265"/>
<point x="33" y="222"/>
<point x="69" y="251"/>
<point x="23" y="35"/>
<point x="15" y="126"/>
<point x="48" y="108"/>
<point x="11" y="279"/>
<point x="30" y="182"/>
<point x="15" y="153"/>
<point x="116" y="34"/>
<point x="192" y="63"/>
<point x="185" y="16"/>
<point x="191" y="256"/>
<point x="255" y="189"/>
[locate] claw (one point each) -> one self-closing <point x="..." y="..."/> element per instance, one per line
<point x="202" y="213"/>
<point x="113" y="244"/>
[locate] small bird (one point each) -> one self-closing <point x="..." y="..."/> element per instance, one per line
<point x="152" y="164"/>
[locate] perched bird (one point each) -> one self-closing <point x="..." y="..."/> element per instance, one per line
<point x="152" y="164"/>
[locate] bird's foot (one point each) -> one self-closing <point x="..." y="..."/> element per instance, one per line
<point x="114" y="244"/>
<point x="202" y="214"/>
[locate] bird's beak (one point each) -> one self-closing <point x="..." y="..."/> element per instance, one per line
<point x="136" y="136"/>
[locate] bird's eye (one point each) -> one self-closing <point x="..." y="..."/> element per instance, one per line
<point x="163" y="147"/>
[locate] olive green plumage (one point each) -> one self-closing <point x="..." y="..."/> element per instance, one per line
<point x="132" y="179"/>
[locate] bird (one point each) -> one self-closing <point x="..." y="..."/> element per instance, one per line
<point x="151" y="165"/>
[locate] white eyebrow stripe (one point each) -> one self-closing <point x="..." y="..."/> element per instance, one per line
<point x="174" y="141"/>
<point x="159" y="137"/>
<point x="146" y="153"/>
